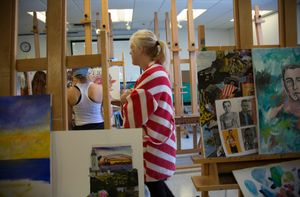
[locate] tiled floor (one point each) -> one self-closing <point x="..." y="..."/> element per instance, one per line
<point x="181" y="184"/>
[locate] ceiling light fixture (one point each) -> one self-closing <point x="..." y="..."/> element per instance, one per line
<point x="121" y="15"/>
<point x="182" y="16"/>
<point x="41" y="15"/>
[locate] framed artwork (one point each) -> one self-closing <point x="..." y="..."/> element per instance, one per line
<point x="277" y="74"/>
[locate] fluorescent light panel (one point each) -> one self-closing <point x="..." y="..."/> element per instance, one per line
<point x="182" y="16"/>
<point x="121" y="15"/>
<point x="41" y="15"/>
<point x="261" y="12"/>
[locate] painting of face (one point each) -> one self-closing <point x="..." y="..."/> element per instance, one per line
<point x="227" y="106"/>
<point x="245" y="106"/>
<point x="292" y="83"/>
<point x="277" y="77"/>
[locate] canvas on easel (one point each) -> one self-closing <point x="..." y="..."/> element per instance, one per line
<point x="223" y="79"/>
<point x="277" y="73"/>
<point x="25" y="146"/>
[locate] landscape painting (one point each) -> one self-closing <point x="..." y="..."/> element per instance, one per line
<point x="279" y="179"/>
<point x="111" y="171"/>
<point x="25" y="146"/>
<point x="277" y="81"/>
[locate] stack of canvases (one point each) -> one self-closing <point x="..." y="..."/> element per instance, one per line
<point x="249" y="102"/>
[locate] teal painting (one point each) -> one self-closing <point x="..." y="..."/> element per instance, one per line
<point x="277" y="82"/>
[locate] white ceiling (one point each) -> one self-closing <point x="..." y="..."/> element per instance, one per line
<point x="218" y="14"/>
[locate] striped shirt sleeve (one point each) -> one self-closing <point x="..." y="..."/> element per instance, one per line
<point x="139" y="106"/>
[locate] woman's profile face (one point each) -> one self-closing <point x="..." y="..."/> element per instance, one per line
<point x="227" y="106"/>
<point x="135" y="54"/>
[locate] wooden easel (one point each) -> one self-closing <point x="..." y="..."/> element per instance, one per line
<point x="187" y="119"/>
<point x="78" y="61"/>
<point x="258" y="21"/>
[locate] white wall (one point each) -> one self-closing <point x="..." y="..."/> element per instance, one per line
<point x="270" y="29"/>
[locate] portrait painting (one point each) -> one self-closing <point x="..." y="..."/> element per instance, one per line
<point x="277" y="80"/>
<point x="231" y="141"/>
<point x="250" y="140"/>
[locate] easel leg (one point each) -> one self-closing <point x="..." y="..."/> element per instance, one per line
<point x="178" y="136"/>
<point x="205" y="172"/>
<point x="240" y="194"/>
<point x="204" y="194"/>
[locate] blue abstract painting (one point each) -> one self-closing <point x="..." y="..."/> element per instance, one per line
<point x="274" y="180"/>
<point x="277" y="82"/>
<point x="25" y="145"/>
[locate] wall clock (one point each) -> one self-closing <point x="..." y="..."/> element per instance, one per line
<point x="25" y="46"/>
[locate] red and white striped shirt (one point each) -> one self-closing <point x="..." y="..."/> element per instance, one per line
<point x="150" y="106"/>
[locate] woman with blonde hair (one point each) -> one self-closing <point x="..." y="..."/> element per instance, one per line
<point x="150" y="106"/>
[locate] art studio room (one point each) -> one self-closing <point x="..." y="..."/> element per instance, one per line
<point x="142" y="98"/>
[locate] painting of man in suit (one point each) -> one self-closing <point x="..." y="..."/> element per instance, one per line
<point x="245" y="114"/>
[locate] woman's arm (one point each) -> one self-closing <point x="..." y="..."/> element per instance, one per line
<point x="139" y="105"/>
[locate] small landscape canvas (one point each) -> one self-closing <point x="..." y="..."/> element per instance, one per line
<point x="281" y="179"/>
<point x="277" y="80"/>
<point x="111" y="171"/>
<point x="25" y="146"/>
